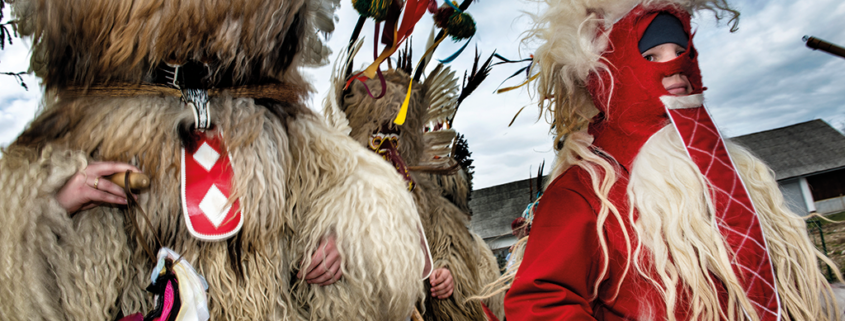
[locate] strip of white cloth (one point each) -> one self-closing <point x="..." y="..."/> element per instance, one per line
<point x="428" y="264"/>
<point x="682" y="102"/>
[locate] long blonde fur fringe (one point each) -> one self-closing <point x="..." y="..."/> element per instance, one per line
<point x="678" y="241"/>
<point x="677" y="223"/>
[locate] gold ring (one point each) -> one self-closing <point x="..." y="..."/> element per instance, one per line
<point x="96" y="181"/>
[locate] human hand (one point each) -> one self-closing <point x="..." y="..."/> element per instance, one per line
<point x="325" y="264"/>
<point x="90" y="188"/>
<point x="441" y="283"/>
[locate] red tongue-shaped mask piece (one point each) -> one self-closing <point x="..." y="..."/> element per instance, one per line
<point x="385" y="142"/>
<point x="632" y="110"/>
<point x="206" y="186"/>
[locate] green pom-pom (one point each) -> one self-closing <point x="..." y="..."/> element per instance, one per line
<point x="460" y="26"/>
<point x="376" y="9"/>
<point x="362" y="6"/>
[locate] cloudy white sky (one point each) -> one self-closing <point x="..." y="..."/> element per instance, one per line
<point x="760" y="77"/>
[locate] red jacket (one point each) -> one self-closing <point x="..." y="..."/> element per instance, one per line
<point x="563" y="261"/>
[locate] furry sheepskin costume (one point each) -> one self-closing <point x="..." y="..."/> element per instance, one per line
<point x="489" y="272"/>
<point x="457" y="188"/>
<point x="633" y="224"/>
<point x="452" y="246"/>
<point x="297" y="180"/>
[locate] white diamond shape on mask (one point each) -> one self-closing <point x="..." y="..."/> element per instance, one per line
<point x="212" y="206"/>
<point x="206" y="156"/>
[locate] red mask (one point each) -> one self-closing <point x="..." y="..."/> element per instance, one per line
<point x="634" y="112"/>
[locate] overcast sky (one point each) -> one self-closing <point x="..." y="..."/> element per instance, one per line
<point x="759" y="78"/>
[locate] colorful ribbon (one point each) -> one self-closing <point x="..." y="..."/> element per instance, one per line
<point x="403" y="112"/>
<point x="456" y="54"/>
<point x="506" y="89"/>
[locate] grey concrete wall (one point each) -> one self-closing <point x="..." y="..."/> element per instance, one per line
<point x="501" y="242"/>
<point x="831" y="205"/>
<point x="494" y="208"/>
<point x="791" y="189"/>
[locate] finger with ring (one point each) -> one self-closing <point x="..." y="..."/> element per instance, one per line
<point x="96" y="182"/>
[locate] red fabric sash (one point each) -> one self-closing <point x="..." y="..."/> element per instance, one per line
<point x="736" y="216"/>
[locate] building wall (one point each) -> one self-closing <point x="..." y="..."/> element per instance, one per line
<point x="830" y="184"/>
<point x="791" y="189"/>
<point x="831" y="205"/>
<point x="494" y="208"/>
<point x="501" y="242"/>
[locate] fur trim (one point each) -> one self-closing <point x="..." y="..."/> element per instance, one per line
<point x="297" y="180"/>
<point x="40" y="242"/>
<point x="81" y="42"/>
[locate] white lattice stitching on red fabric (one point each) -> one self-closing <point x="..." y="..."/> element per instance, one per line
<point x="728" y="201"/>
<point x="758" y="276"/>
<point x="712" y="159"/>
<point x="765" y="309"/>
<point x="745" y="237"/>
<point x="733" y="199"/>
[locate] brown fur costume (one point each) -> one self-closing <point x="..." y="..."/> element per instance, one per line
<point x="457" y="188"/>
<point x="451" y="243"/>
<point x="298" y="180"/>
<point x="489" y="273"/>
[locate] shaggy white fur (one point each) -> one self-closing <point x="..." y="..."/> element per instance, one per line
<point x="297" y="180"/>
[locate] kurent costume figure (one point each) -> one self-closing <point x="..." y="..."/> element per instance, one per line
<point x="457" y="188"/>
<point x="650" y="214"/>
<point x="370" y="121"/>
<point x="245" y="182"/>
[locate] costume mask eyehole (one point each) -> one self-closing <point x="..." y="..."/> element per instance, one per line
<point x="375" y="141"/>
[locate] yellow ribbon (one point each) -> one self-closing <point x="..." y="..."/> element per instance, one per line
<point x="403" y="112"/>
<point x="517" y="86"/>
<point x="370" y="72"/>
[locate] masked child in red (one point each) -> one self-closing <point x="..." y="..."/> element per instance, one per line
<point x="650" y="214"/>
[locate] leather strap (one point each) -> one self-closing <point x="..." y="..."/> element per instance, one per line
<point x="278" y="92"/>
<point x="132" y="203"/>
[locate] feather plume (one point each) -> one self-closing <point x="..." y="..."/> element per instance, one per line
<point x="442" y="91"/>
<point x="428" y="44"/>
<point x="332" y="112"/>
<point x="477" y="76"/>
